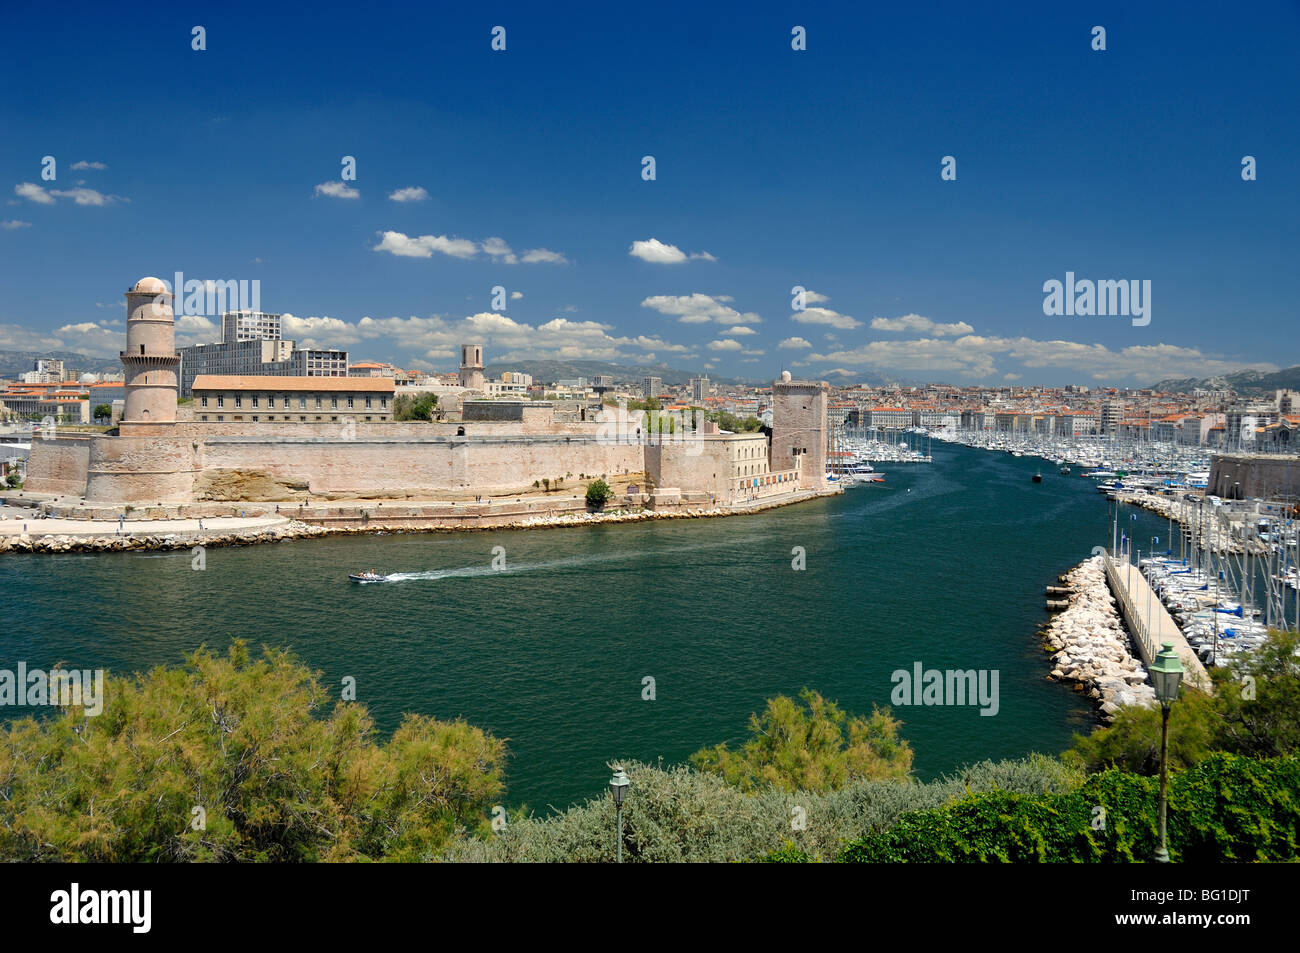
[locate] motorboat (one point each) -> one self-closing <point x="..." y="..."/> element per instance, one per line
<point x="368" y="575"/>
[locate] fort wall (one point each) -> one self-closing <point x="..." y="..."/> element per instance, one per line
<point x="58" y="465"/>
<point x="1271" y="476"/>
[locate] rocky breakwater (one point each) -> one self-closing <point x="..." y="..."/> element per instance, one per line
<point x="34" y="543"/>
<point x="1090" y="646"/>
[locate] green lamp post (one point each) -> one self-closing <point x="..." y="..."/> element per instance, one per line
<point x="1166" y="674"/>
<point x="618" y="786"/>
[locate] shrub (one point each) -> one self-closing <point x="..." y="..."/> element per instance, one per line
<point x="677" y="814"/>
<point x="598" y="493"/>
<point x="810" y="744"/>
<point x="279" y="777"/>
<point x="1228" y="808"/>
<point x="1254" y="711"/>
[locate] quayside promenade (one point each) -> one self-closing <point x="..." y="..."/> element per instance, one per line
<point x="1149" y="621"/>
<point x="50" y="525"/>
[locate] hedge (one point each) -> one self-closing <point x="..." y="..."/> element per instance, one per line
<point x="1228" y="808"/>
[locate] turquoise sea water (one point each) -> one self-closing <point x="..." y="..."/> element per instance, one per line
<point x="943" y="564"/>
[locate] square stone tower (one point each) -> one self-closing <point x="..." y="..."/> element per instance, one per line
<point x="799" y="429"/>
<point x="471" y="366"/>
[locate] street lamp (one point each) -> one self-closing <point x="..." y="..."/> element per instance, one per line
<point x="618" y="786"/>
<point x="1166" y="673"/>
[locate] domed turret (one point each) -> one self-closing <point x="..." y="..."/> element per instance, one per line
<point x="149" y="286"/>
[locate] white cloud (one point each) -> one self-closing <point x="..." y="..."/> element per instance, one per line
<point x="741" y="329"/>
<point x="726" y="344"/>
<point x="794" y="343"/>
<point x="1012" y="377"/>
<point x="81" y="196"/>
<point x="437" y="338"/>
<point x="497" y="248"/>
<point x="86" y="196"/>
<point x="516" y="295"/>
<point x="33" y="193"/>
<point x="659" y="253"/>
<point x="975" y="357"/>
<point x="922" y="325"/>
<point x="812" y="297"/>
<point x="825" y="316"/>
<point x="544" y="256"/>
<point x="90" y="337"/>
<point x="196" y="329"/>
<point x="700" y="309"/>
<point x="412" y="193"/>
<point x="10" y="224"/>
<point x="83" y="164"/>
<point x="424" y="246"/>
<point x="337" y="189"/>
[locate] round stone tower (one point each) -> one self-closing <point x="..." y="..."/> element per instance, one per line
<point x="150" y="362"/>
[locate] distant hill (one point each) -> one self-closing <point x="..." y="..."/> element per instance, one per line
<point x="1243" y="382"/>
<point x="550" y="371"/>
<point x="13" y="363"/>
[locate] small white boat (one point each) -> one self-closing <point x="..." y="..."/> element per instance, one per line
<point x="367" y="576"/>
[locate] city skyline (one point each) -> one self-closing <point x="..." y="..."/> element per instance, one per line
<point x="775" y="168"/>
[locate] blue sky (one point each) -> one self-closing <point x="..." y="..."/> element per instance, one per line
<point x="775" y="168"/>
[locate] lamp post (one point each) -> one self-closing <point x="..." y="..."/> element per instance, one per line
<point x="618" y="786"/>
<point x="1166" y="673"/>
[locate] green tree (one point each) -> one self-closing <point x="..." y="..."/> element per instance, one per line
<point x="810" y="744"/>
<point x="1132" y="741"/>
<point x="729" y="421"/>
<point x="598" y="493"/>
<point x="103" y="411"/>
<point x="414" y="406"/>
<point x="276" y="771"/>
<point x="1258" y="700"/>
<point x="1254" y="711"/>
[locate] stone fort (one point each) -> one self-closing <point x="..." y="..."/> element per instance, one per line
<point x="161" y="456"/>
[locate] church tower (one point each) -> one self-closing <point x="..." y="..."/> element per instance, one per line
<point x="471" y="366"/>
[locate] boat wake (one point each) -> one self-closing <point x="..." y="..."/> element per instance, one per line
<point x="513" y="568"/>
<point x="462" y="572"/>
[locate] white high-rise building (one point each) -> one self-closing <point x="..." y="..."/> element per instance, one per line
<point x="249" y="326"/>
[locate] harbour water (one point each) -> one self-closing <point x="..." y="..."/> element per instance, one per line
<point x="943" y="565"/>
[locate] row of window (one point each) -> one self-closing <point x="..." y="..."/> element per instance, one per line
<point x="220" y="418"/>
<point x="220" y="401"/>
